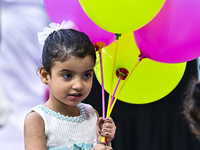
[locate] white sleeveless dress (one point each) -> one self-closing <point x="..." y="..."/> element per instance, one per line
<point x="69" y="133"/>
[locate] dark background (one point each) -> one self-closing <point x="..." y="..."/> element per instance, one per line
<point x="156" y="126"/>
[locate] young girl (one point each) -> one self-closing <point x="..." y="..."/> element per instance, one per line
<point x="63" y="122"/>
<point x="192" y="106"/>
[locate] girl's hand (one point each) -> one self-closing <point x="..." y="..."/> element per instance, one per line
<point x="105" y="128"/>
<point x="101" y="147"/>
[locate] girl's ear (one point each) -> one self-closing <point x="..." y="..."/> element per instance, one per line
<point x="44" y="75"/>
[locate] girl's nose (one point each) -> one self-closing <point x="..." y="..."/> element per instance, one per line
<point x="77" y="85"/>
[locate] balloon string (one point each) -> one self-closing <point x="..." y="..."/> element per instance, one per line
<point x="113" y="73"/>
<point x="115" y="91"/>
<point x="102" y="83"/>
<point x="109" y="113"/>
<point x="103" y="139"/>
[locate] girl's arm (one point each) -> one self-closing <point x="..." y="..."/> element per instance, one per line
<point x="34" y="132"/>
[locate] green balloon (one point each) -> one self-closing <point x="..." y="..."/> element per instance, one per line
<point x="149" y="82"/>
<point x="121" y="16"/>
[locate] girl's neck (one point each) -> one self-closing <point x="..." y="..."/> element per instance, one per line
<point x="63" y="109"/>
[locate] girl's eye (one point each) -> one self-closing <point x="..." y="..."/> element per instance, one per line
<point x="67" y="76"/>
<point x="87" y="75"/>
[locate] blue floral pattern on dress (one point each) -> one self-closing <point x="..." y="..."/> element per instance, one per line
<point x="78" y="119"/>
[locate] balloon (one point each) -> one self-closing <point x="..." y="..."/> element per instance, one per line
<point x="59" y="10"/>
<point x="173" y="35"/>
<point x="149" y="82"/>
<point x="121" y="16"/>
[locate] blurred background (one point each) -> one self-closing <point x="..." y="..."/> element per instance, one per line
<point x="156" y="126"/>
<point x="20" y="53"/>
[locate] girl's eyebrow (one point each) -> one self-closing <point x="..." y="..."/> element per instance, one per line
<point x="89" y="70"/>
<point x="66" y="70"/>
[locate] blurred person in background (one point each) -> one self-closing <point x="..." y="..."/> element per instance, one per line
<point x="20" y="53"/>
<point x="191" y="105"/>
<point x="4" y="108"/>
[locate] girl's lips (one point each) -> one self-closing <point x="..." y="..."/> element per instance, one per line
<point x="75" y="96"/>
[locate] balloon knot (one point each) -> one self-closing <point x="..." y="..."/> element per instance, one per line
<point x="122" y="73"/>
<point x="99" y="45"/>
<point x="117" y="36"/>
<point x="143" y="55"/>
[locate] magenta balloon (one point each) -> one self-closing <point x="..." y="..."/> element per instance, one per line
<point x="173" y="36"/>
<point x="59" y="10"/>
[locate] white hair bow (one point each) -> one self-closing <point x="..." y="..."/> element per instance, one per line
<point x="54" y="27"/>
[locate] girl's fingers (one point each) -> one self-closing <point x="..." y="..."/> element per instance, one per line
<point x="100" y="122"/>
<point x="109" y="120"/>
<point x="108" y="125"/>
<point x="107" y="131"/>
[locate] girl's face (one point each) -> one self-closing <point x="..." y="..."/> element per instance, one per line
<point x="71" y="81"/>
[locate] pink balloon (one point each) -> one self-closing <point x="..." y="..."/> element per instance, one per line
<point x="173" y="36"/>
<point x="59" y="10"/>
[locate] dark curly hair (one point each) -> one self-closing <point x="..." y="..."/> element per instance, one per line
<point x="62" y="44"/>
<point x="191" y="106"/>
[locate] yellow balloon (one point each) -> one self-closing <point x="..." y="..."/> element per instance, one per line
<point x="149" y="82"/>
<point x="121" y="16"/>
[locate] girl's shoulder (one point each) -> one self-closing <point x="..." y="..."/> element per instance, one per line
<point x="33" y="121"/>
<point x="34" y="131"/>
<point x="34" y="115"/>
<point x="86" y="106"/>
<point x="89" y="109"/>
<point x="38" y="109"/>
